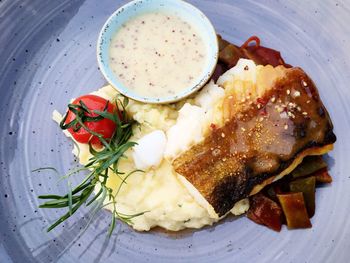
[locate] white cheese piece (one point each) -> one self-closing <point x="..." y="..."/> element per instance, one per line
<point x="149" y="150"/>
<point x="240" y="207"/>
<point x="244" y="70"/>
<point x="186" y="131"/>
<point x="209" y="95"/>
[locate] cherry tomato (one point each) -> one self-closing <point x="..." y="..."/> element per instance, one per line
<point x="105" y="127"/>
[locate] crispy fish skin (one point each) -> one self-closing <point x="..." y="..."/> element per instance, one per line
<point x="265" y="135"/>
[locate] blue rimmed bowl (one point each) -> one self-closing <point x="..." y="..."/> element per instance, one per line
<point x="137" y="7"/>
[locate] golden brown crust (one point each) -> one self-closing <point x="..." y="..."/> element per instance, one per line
<point x="262" y="137"/>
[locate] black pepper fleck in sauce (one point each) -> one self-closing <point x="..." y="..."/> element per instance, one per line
<point x="166" y="51"/>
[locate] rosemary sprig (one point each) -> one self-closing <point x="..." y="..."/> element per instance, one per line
<point x="100" y="165"/>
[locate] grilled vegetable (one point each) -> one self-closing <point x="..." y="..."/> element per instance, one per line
<point x="229" y="54"/>
<point x="222" y="43"/>
<point x="294" y="209"/>
<point x="265" y="211"/>
<point x="307" y="187"/>
<point x="262" y="55"/>
<point x="309" y="165"/>
<point x="271" y="192"/>
<point x="322" y="176"/>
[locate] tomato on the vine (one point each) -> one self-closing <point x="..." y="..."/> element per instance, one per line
<point x="105" y="127"/>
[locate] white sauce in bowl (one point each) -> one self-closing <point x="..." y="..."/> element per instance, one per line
<point x="158" y="55"/>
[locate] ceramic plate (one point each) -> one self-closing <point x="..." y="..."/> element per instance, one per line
<point x="48" y="55"/>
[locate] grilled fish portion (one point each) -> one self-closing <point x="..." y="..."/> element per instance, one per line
<point x="269" y="126"/>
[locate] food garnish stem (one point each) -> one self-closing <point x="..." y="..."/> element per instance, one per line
<point x="100" y="165"/>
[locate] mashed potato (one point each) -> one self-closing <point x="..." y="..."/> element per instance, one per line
<point x="168" y="203"/>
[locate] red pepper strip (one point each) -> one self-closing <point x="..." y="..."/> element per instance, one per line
<point x="252" y="38"/>
<point x="265" y="211"/>
<point x="230" y="54"/>
<point x="266" y="56"/>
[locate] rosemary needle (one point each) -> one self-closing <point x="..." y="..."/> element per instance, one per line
<point x="99" y="165"/>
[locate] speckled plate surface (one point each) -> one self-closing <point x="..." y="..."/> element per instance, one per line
<point x="47" y="55"/>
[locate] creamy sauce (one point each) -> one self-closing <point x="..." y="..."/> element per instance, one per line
<point x="158" y="55"/>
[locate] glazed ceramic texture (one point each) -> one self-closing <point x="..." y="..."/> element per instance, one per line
<point x="137" y="7"/>
<point x="48" y="56"/>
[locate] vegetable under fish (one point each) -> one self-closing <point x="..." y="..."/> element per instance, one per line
<point x="294" y="209"/>
<point x="307" y="187"/>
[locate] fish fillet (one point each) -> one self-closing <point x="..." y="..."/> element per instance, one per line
<point x="268" y="127"/>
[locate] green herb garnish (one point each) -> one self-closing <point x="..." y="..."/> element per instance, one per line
<point x="99" y="166"/>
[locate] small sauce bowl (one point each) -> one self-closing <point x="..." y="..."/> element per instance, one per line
<point x="134" y="8"/>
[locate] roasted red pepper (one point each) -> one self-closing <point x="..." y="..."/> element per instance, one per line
<point x="265" y="211"/>
<point x="229" y="54"/>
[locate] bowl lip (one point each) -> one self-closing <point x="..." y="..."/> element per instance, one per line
<point x="213" y="58"/>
